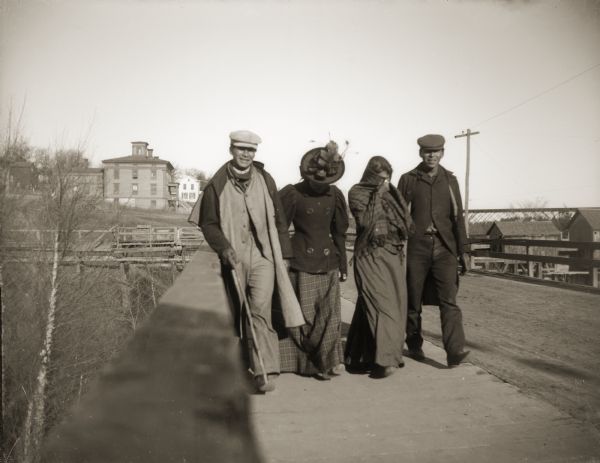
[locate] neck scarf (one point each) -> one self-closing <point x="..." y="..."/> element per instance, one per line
<point x="241" y="178"/>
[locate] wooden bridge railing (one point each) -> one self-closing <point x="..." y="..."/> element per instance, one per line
<point x="177" y="393"/>
<point x="579" y="256"/>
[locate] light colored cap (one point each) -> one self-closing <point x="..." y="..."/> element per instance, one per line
<point x="244" y="138"/>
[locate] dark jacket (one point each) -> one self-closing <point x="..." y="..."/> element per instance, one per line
<point x="208" y="217"/>
<point x="436" y="200"/>
<point x="320" y="224"/>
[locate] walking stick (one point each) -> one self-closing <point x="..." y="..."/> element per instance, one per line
<point x="245" y="303"/>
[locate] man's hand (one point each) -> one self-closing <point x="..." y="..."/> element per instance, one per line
<point x="229" y="258"/>
<point x="343" y="276"/>
<point x="464" y="262"/>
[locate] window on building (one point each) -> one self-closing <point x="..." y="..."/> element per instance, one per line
<point x="564" y="235"/>
<point x="153" y="203"/>
<point x="116" y="173"/>
<point x="134" y="173"/>
<point x="153" y="189"/>
<point x="115" y="188"/>
<point x="192" y="195"/>
<point x="134" y="189"/>
<point x="184" y="186"/>
<point x="184" y="195"/>
<point x="192" y="187"/>
<point x="153" y="173"/>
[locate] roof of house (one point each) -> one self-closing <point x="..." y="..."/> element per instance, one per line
<point x="136" y="160"/>
<point x="532" y="228"/>
<point x="591" y="215"/>
<point x="479" y="228"/>
<point x="27" y="164"/>
<point x="87" y="170"/>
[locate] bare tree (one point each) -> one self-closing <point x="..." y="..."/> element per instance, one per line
<point x="65" y="319"/>
<point x="532" y="214"/>
<point x="13" y="148"/>
<point x="60" y="210"/>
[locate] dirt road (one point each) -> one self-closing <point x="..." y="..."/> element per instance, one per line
<point x="544" y="340"/>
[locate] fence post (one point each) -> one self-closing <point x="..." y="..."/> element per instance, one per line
<point x="125" y="296"/>
<point x="530" y="265"/>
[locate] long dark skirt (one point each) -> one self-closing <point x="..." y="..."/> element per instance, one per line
<point x="316" y="346"/>
<point x="377" y="331"/>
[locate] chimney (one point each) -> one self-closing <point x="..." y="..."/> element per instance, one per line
<point x="150" y="151"/>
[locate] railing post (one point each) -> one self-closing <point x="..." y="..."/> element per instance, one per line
<point x="125" y="295"/>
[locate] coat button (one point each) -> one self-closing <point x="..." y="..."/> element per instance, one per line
<point x="326" y="251"/>
<point x="309" y="250"/>
<point x="310" y="210"/>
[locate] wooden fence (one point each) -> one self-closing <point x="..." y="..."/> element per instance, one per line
<point x="577" y="261"/>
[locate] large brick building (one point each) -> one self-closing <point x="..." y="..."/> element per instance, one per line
<point x="140" y="180"/>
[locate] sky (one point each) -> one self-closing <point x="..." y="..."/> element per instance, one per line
<point x="182" y="75"/>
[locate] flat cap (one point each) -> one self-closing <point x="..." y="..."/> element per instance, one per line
<point x="431" y="142"/>
<point x="244" y="138"/>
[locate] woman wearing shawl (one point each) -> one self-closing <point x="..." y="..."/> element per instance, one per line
<point x="376" y="335"/>
<point x="318" y="212"/>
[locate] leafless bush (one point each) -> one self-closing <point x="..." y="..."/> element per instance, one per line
<point x="61" y="319"/>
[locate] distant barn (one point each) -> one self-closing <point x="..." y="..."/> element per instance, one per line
<point x="585" y="225"/>
<point x="479" y="230"/>
<point x="531" y="230"/>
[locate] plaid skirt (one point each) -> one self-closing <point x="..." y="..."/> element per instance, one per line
<point x="316" y="346"/>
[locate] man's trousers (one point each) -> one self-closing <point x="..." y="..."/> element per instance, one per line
<point x="427" y="255"/>
<point x="257" y="277"/>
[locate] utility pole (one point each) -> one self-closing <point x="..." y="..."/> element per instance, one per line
<point x="467" y="134"/>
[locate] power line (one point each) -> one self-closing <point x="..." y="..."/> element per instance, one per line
<point x="539" y="94"/>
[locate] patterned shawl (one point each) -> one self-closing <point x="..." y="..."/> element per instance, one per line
<point x="382" y="215"/>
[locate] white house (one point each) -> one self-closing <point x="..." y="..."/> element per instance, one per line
<point x="189" y="188"/>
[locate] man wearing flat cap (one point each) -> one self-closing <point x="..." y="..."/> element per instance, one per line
<point x="242" y="220"/>
<point x="435" y="250"/>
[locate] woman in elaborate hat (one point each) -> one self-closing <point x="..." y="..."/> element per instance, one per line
<point x="319" y="214"/>
<point x="383" y="223"/>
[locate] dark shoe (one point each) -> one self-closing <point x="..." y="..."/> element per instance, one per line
<point x="262" y="386"/>
<point x="323" y="376"/>
<point x="358" y="369"/>
<point x="416" y="354"/>
<point x="383" y="372"/>
<point x="455" y="360"/>
<point x="401" y="364"/>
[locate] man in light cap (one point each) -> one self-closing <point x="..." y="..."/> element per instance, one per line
<point x="435" y="250"/>
<point x="242" y="220"/>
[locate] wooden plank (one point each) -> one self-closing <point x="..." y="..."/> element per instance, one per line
<point x="534" y="258"/>
<point x="584" y="245"/>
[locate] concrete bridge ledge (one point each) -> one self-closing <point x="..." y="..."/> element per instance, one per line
<point x="177" y="393"/>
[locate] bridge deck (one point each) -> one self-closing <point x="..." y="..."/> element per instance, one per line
<point x="423" y="413"/>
